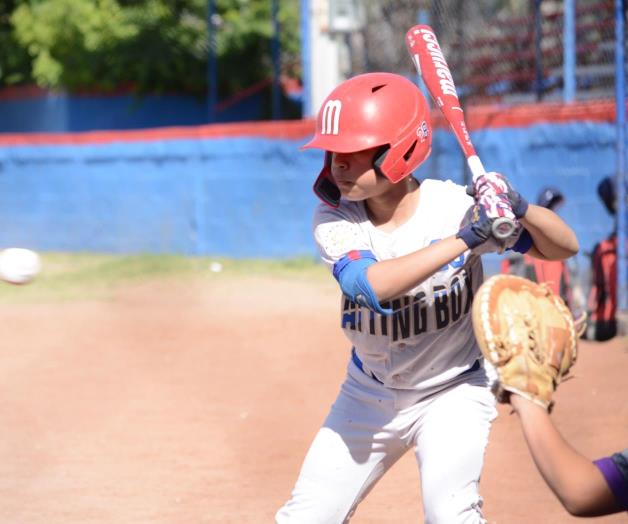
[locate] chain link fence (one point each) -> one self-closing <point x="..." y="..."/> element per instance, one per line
<point x="506" y="51"/>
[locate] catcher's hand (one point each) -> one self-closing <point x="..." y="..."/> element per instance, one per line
<point x="527" y="333"/>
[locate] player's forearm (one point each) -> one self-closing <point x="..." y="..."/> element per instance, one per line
<point x="394" y="277"/>
<point x="552" y="237"/>
<point x="574" y="479"/>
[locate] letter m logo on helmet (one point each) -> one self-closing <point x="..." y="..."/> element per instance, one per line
<point x="330" y="117"/>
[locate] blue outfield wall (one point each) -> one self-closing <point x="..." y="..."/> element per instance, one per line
<point x="62" y="112"/>
<point x="251" y="196"/>
<point x="240" y="197"/>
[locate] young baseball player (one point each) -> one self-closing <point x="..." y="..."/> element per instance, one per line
<point x="584" y="488"/>
<point x="602" y="303"/>
<point x="406" y="257"/>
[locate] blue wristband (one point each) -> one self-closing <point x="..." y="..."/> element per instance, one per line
<point x="523" y="243"/>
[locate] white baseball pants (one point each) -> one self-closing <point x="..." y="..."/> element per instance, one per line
<point x="370" y="427"/>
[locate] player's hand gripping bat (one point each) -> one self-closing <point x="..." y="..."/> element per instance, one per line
<point x="432" y="66"/>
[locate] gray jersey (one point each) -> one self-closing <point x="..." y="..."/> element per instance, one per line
<point x="429" y="339"/>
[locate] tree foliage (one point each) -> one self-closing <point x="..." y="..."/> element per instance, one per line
<point x="15" y="63"/>
<point x="148" y="46"/>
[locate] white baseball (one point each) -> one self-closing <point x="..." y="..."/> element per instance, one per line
<point x="215" y="267"/>
<point x="19" y="265"/>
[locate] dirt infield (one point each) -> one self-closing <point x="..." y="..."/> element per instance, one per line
<point x="192" y="401"/>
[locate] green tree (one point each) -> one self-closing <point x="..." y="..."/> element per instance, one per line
<point x="15" y="63"/>
<point x="244" y="32"/>
<point x="105" y="44"/>
<point x="145" y="45"/>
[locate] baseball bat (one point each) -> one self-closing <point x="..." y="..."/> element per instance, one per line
<point x="431" y="65"/>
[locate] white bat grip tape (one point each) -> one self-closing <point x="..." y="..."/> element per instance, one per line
<point x="476" y="167"/>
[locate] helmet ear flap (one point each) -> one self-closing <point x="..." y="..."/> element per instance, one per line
<point x="379" y="158"/>
<point x="398" y="162"/>
<point x="325" y="188"/>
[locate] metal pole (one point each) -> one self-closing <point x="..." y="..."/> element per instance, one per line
<point x="620" y="103"/>
<point x="276" y="58"/>
<point x="306" y="60"/>
<point x="538" y="56"/>
<point x="569" y="51"/>
<point x="212" y="69"/>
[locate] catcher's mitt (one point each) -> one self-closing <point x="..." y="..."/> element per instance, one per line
<point x="528" y="334"/>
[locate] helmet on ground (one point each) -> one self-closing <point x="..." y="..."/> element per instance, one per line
<point x="550" y="197"/>
<point x="369" y="111"/>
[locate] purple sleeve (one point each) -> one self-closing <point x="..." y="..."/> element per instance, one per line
<point x="617" y="482"/>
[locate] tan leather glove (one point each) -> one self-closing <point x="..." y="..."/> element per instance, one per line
<point x="527" y="333"/>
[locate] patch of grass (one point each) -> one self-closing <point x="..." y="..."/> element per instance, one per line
<point x="84" y="276"/>
<point x="295" y="267"/>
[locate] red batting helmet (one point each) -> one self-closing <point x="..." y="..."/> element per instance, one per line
<point x="367" y="111"/>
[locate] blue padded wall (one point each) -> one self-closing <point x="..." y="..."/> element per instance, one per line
<point x="251" y="197"/>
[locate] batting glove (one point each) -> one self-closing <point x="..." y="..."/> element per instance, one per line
<point x="478" y="229"/>
<point x="496" y="205"/>
<point x="496" y="193"/>
<point x="518" y="204"/>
